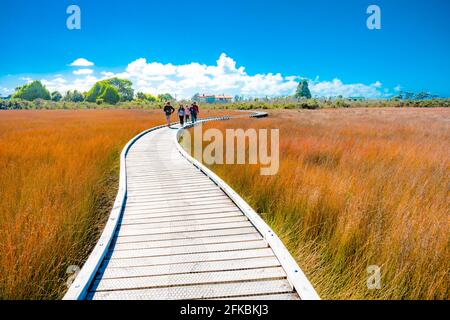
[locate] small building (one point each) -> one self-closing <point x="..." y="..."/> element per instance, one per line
<point x="214" y="98"/>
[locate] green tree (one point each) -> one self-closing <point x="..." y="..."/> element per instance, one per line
<point x="68" y="96"/>
<point x="32" y="91"/>
<point x="124" y="87"/>
<point x="110" y="95"/>
<point x="140" y="96"/>
<point x="422" y="96"/>
<point x="74" y="96"/>
<point x="151" y="98"/>
<point x="104" y="91"/>
<point x="146" y="97"/>
<point x="408" y="95"/>
<point x="303" y="90"/>
<point x="56" y="96"/>
<point x="165" y="97"/>
<point x="77" y="96"/>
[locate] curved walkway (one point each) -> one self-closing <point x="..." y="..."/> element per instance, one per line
<point x="182" y="233"/>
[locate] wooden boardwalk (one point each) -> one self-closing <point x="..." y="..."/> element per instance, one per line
<point x="181" y="234"/>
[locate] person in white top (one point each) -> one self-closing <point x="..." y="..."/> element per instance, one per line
<point x="187" y="114"/>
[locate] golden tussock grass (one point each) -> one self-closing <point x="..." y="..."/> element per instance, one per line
<point x="355" y="188"/>
<point x="58" y="179"/>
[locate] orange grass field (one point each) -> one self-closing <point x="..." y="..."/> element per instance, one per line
<point x="358" y="187"/>
<point x="58" y="180"/>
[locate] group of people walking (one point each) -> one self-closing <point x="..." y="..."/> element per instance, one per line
<point x="185" y="113"/>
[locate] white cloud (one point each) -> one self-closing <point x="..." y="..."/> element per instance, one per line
<point x="81" y="62"/>
<point x="27" y="79"/>
<point x="107" y="74"/>
<point x="398" y="88"/>
<point x="377" y="84"/>
<point x="336" y="87"/>
<point x="188" y="79"/>
<point x="62" y="85"/>
<point x="223" y="77"/>
<point x="83" y="71"/>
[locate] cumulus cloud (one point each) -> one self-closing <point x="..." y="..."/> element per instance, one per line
<point x="186" y="80"/>
<point x="27" y="79"/>
<point x="62" y="85"/>
<point x="107" y="74"/>
<point x="81" y="62"/>
<point x="83" y="71"/>
<point x="337" y="88"/>
<point x="223" y="77"/>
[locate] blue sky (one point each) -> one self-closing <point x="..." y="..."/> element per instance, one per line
<point x="248" y="47"/>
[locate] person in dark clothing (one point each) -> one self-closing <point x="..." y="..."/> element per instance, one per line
<point x="181" y="114"/>
<point x="168" y="110"/>
<point x="194" y="112"/>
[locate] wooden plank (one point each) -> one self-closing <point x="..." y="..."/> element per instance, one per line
<point x="126" y="230"/>
<point x="181" y="187"/>
<point x="184" y="258"/>
<point x="174" y="167"/>
<point x="179" y="204"/>
<point x="153" y="187"/>
<point x="174" y="193"/>
<point x="186" y="242"/>
<point x="188" y="279"/>
<point x="206" y="291"/>
<point x="183" y="235"/>
<point x="198" y="179"/>
<point x="169" y="184"/>
<point x="184" y="223"/>
<point x="162" y="173"/>
<point x="146" y="175"/>
<point x="192" y="208"/>
<point x="174" y="205"/>
<point x="220" y="198"/>
<point x="174" y="196"/>
<point x="193" y="267"/>
<point x="271" y="297"/>
<point x="152" y="169"/>
<point x="154" y="166"/>
<point x="203" y="248"/>
<point x="181" y="217"/>
<point x="161" y="178"/>
<point x="179" y="214"/>
<point x="164" y="180"/>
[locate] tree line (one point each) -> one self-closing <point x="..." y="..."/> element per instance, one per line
<point x="115" y="90"/>
<point x="110" y="91"/>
